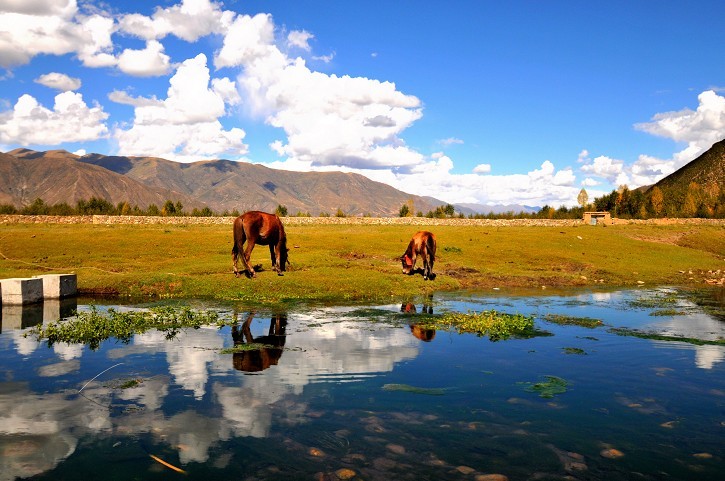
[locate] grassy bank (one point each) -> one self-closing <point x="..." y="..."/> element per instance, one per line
<point x="349" y="263"/>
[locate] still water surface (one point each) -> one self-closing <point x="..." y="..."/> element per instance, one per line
<point x="361" y="393"/>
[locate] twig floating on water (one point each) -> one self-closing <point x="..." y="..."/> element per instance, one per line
<point x="168" y="465"/>
<point x="86" y="384"/>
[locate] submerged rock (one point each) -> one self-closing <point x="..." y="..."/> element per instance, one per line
<point x="345" y="473"/>
<point x="465" y="469"/>
<point x="491" y="477"/>
<point x="611" y="453"/>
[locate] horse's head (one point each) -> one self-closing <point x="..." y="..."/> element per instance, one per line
<point x="407" y="263"/>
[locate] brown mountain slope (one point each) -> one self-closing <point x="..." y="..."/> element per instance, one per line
<point x="227" y="185"/>
<point x="708" y="168"/>
<point x="57" y="176"/>
<point x="222" y="185"/>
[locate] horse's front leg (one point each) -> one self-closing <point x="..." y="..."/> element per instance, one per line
<point x="274" y="252"/>
<point x="426" y="266"/>
<point x="430" y="267"/>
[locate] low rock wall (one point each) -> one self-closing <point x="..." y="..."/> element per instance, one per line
<point x="419" y="221"/>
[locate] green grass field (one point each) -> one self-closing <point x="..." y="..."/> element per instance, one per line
<point x="354" y="263"/>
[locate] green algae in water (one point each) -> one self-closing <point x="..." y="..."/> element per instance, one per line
<point x="573" y="321"/>
<point x="621" y="331"/>
<point x="574" y="350"/>
<point x="496" y="325"/>
<point x="551" y="386"/>
<point x="414" y="389"/>
<point x="131" y="383"/>
<point x="94" y="327"/>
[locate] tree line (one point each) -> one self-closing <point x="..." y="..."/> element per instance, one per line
<point x="97" y="206"/>
<point x="706" y="201"/>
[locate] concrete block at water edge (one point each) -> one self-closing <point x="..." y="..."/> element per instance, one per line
<point x="21" y="290"/>
<point x="57" y="286"/>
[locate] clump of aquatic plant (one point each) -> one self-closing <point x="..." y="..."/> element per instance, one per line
<point x="94" y="326"/>
<point x="130" y="383"/>
<point x="667" y="312"/>
<point x="572" y="320"/>
<point x="414" y="389"/>
<point x="548" y="388"/>
<point x="496" y="325"/>
<point x="654" y="300"/>
<point x="621" y="331"/>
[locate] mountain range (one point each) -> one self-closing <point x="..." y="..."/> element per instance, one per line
<point x="222" y="185"/>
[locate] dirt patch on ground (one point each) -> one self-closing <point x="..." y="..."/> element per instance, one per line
<point x="671" y="238"/>
<point x="461" y="272"/>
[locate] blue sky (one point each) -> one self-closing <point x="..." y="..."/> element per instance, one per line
<point x="467" y="101"/>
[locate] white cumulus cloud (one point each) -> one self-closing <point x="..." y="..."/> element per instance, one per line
<point x="59" y="81"/>
<point x="185" y="126"/>
<point x="300" y="39"/>
<point x="330" y="120"/>
<point x="71" y="120"/>
<point x="149" y="62"/>
<point x="53" y="28"/>
<point x="482" y="169"/>
<point x="189" y="20"/>
<point x="121" y="97"/>
<point x="248" y="38"/>
<point x="39" y="7"/>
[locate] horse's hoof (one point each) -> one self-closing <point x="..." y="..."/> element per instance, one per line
<point x="280" y="273"/>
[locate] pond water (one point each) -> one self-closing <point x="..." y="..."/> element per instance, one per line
<point x="361" y="393"/>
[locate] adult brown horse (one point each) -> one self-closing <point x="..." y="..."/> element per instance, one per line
<point x="423" y="243"/>
<point x="256" y="227"/>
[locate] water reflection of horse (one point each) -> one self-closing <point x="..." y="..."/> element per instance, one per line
<point x="424" y="333"/>
<point x="256" y="227"/>
<point x="423" y="243"/>
<point x="269" y="349"/>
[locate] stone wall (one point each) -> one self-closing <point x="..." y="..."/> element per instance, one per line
<point x="418" y="221"/>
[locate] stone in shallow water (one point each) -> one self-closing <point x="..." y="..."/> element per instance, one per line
<point x="345" y="473"/>
<point x="396" y="448"/>
<point x="465" y="469"/>
<point x="611" y="453"/>
<point x="317" y="453"/>
<point x="491" y="477"/>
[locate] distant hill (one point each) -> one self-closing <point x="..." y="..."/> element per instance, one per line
<point x="57" y="176"/>
<point x="222" y="185"/>
<point x="497" y="209"/>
